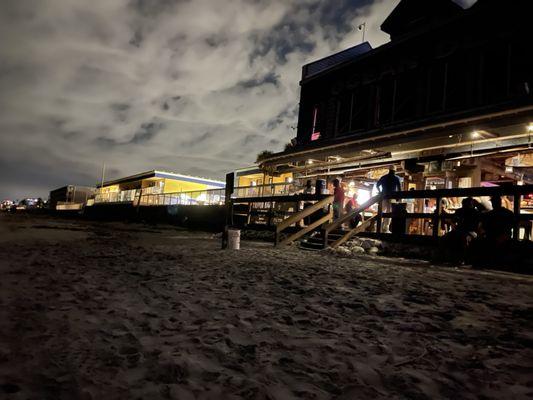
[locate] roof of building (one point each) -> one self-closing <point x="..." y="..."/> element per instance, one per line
<point x="164" y="174"/>
<point x="325" y="63"/>
<point x="248" y="171"/>
<point x="73" y="187"/>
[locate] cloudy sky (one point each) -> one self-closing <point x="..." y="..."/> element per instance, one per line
<point x="191" y="86"/>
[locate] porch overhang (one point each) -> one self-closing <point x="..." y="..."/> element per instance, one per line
<point x="501" y="131"/>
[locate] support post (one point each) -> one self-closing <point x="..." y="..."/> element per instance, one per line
<point x="379" y="218"/>
<point x="437" y="218"/>
<point x="230" y="182"/>
<point x="516" y="209"/>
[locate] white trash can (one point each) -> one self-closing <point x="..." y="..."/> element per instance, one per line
<point x="234" y="239"/>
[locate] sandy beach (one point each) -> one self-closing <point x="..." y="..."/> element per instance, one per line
<point x="126" y="311"/>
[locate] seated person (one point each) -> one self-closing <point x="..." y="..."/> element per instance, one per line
<point x="496" y="247"/>
<point x="350" y="206"/>
<point x="498" y="223"/>
<point x="466" y="220"/>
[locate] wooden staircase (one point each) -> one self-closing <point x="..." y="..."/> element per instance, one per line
<point x="334" y="235"/>
<point x="324" y="232"/>
<point x="316" y="211"/>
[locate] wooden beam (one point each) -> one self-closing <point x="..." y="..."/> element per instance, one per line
<point x="304" y="213"/>
<point x="354" y="232"/>
<point x="306" y="230"/>
<point x="334" y="225"/>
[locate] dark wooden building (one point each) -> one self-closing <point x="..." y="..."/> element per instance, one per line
<point x="70" y="194"/>
<point x="451" y="82"/>
<point x="442" y="62"/>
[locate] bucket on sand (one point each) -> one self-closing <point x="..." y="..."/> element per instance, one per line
<point x="234" y="239"/>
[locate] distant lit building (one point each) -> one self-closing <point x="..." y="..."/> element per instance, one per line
<point x="160" y="188"/>
<point x="70" y="197"/>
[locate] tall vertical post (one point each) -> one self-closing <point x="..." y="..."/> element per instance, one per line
<point x="437" y="218"/>
<point x="516" y="209"/>
<point x="380" y="212"/>
<point x="230" y="183"/>
<point x="103" y="175"/>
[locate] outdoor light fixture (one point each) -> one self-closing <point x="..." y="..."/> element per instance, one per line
<point x="309" y="162"/>
<point x="450" y="136"/>
<point x="476" y="134"/>
<point x="530" y="128"/>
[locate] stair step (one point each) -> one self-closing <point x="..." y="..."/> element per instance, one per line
<point x="314" y="240"/>
<point x="309" y="248"/>
<point x="311" y="245"/>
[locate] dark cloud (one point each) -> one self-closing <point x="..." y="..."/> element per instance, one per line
<point x="154" y="8"/>
<point x="268" y="79"/>
<point x="146" y="133"/>
<point x="201" y="139"/>
<point x="137" y="38"/>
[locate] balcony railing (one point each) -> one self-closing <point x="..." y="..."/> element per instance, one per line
<point x="196" y="197"/>
<point x="124" y="196"/>
<point x="273" y="189"/>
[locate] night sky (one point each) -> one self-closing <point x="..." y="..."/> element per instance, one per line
<point x="190" y="86"/>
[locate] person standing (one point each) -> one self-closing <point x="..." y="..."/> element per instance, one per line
<point x="388" y="184"/>
<point x="338" y="199"/>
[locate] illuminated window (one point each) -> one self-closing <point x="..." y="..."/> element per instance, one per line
<point x="315" y="133"/>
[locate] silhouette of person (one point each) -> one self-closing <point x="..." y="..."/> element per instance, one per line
<point x="338" y="199"/>
<point x="388" y="184"/>
<point x="351" y="205"/>
<point x="309" y="189"/>
<point x="467" y="218"/>
<point x="498" y="223"/>
<point x="496" y="248"/>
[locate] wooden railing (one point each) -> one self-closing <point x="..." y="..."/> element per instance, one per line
<point x="295" y="219"/>
<point x="438" y="216"/>
<point x="282" y="214"/>
<point x="365" y="222"/>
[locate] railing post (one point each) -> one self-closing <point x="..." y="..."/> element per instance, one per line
<point x="437" y="218"/>
<point x="270" y="213"/>
<point x="516" y="209"/>
<point x="379" y="218"/>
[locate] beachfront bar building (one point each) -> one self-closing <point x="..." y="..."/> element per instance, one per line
<point x="160" y="188"/>
<point x="448" y="102"/>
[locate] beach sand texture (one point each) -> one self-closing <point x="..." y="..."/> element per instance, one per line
<point x="118" y="311"/>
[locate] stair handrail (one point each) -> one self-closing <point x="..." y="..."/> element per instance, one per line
<point x="297" y="217"/>
<point x="347" y="217"/>
<point x="352" y="232"/>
